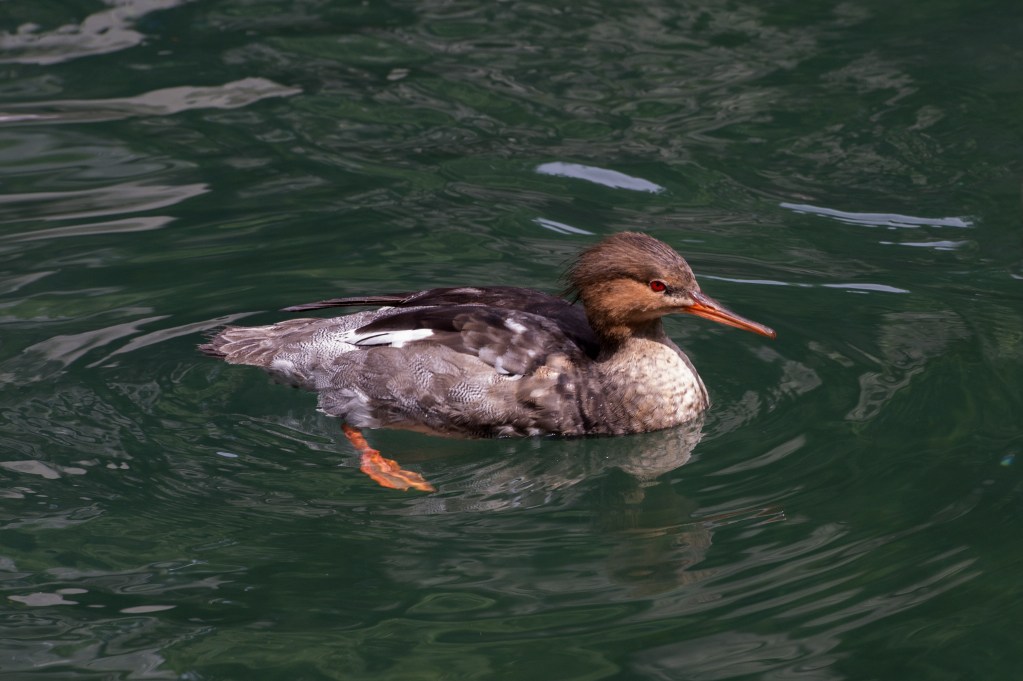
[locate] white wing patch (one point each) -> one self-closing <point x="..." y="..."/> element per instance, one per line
<point x="514" y="326"/>
<point x="396" y="339"/>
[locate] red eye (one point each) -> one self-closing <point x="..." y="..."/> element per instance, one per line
<point x="657" y="286"/>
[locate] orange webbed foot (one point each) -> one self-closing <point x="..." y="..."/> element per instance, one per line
<point x="386" y="472"/>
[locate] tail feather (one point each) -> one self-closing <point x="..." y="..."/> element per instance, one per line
<point x="216" y="342"/>
<point x="386" y="299"/>
<point x="255" y="345"/>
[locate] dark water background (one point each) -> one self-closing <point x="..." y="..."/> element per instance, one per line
<point x="845" y="172"/>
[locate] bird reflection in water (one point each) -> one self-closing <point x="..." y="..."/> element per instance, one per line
<point x="621" y="483"/>
<point x="540" y="475"/>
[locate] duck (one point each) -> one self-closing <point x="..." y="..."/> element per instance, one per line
<point x="499" y="361"/>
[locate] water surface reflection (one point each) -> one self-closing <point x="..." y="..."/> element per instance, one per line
<point x="848" y="171"/>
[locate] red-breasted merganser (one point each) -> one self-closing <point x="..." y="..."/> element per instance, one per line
<point x="498" y="361"/>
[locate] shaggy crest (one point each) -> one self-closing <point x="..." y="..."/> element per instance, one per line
<point x="626" y="255"/>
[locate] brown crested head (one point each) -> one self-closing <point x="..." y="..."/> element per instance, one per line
<point x="627" y="255"/>
<point x="628" y="281"/>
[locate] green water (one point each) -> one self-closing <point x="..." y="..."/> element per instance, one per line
<point x="847" y="173"/>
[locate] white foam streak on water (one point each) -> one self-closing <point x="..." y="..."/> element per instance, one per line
<point x="140" y="224"/>
<point x="877" y="219"/>
<point x="100" y="33"/>
<point x="765" y="282"/>
<point x="62" y="350"/>
<point x="31" y="467"/>
<point x="608" y="178"/>
<point x="167" y="334"/>
<point x="141" y="609"/>
<point x="560" y="227"/>
<point x="115" y="199"/>
<point x="163" y="102"/>
<point x="772" y="282"/>
<point x="42" y="600"/>
<point x="867" y="287"/>
<point x="936" y="245"/>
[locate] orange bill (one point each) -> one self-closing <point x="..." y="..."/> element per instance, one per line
<point x="385" y="472"/>
<point x="708" y="308"/>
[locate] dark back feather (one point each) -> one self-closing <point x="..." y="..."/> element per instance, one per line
<point x="569" y="318"/>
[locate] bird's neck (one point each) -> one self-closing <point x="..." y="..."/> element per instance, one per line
<point x="648" y="383"/>
<point x="619" y="342"/>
